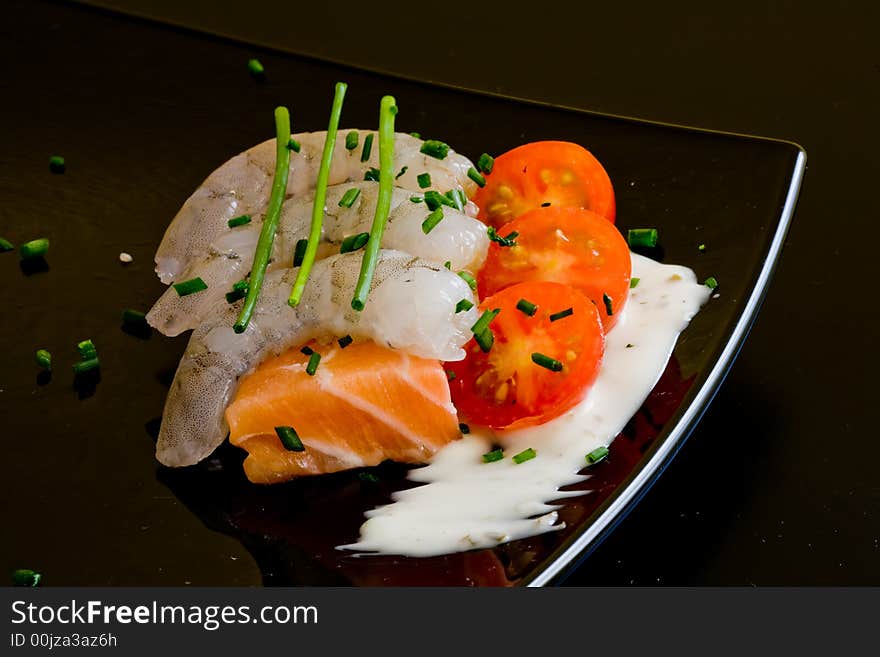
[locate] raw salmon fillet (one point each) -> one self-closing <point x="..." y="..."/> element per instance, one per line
<point x="365" y="404"/>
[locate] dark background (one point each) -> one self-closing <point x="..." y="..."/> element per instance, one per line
<point x="778" y="485"/>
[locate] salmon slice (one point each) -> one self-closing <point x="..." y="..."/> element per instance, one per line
<point x="365" y="404"/>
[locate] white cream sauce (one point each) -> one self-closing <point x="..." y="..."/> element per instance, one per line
<point x="466" y="503"/>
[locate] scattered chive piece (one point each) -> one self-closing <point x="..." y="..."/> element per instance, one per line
<point x="86" y="366"/>
<point x="432" y="220"/>
<point x="349" y="198"/>
<point x="56" y="164"/>
<point x="270" y="221"/>
<point x="314" y="239"/>
<point x="368" y="147"/>
<point x="307" y="351"/>
<point x="387" y="112"/>
<point x="634" y="282"/>
<point x="134" y="318"/>
<point x="485" y="339"/>
<point x="494" y="455"/>
<point x="476" y="176"/>
<point x="34" y="248"/>
<point x="562" y="314"/>
<point x="467" y="278"/>
<point x="448" y="264"/>
<point x="450" y="375"/>
<point x="485" y="163"/>
<point x="293" y="145"/>
<point x="711" y="282"/>
<point x="510" y="240"/>
<point x="354" y="242"/>
<point x="646" y="237"/>
<point x="417" y="135"/>
<point x="240" y="286"/>
<point x="416" y="199"/>
<point x="545" y="204"/>
<point x="235" y="295"/>
<point x="239" y="221"/>
<point x="368" y="477"/>
<point x="255" y="68"/>
<point x="6" y="245"/>
<point x="344" y="341"/>
<point x="299" y="251"/>
<point x="463" y="305"/>
<point x="44" y="359"/>
<point x="546" y="362"/>
<point x="290" y="439"/>
<point x="372" y="174"/>
<point x="484" y="320"/>
<point x="424" y="180"/>
<point x="701" y="247"/>
<point x="351" y="140"/>
<point x="525" y="455"/>
<point x="312" y="367"/>
<point x="435" y="148"/>
<point x="191" y="286"/>
<point x="598" y="454"/>
<point x="465" y="429"/>
<point x="526" y="307"/>
<point x="402" y="171"/>
<point x="434" y="200"/>
<point x="87" y="350"/>
<point x="26" y="577"/>
<point x="609" y="307"/>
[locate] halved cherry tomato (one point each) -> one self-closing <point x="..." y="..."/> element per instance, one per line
<point x="505" y="388"/>
<point x="566" y="245"/>
<point x="556" y="172"/>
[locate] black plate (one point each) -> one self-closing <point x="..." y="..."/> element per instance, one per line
<point x="142" y="113"/>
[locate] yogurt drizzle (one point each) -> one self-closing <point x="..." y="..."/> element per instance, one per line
<point x="467" y="504"/>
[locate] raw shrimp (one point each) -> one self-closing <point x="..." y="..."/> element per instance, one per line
<point x="241" y="186"/>
<point x="412" y="306"/>
<point x="458" y="239"/>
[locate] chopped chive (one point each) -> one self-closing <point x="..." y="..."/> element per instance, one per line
<point x="402" y="171"/>
<point x="562" y="314"/>
<point x="432" y="220"/>
<point x="417" y="135"/>
<point x="609" y="306"/>
<point x="634" y="282"/>
<point x="494" y="455"/>
<point x="711" y="282"/>
<point x="354" y="242"/>
<point x="239" y="291"/>
<point x="701" y="247"/>
<point x="463" y="305"/>
<point x="448" y="264"/>
<point x="598" y="454"/>
<point x="239" y="221"/>
<point x="349" y="198"/>
<point x="293" y="145"/>
<point x="465" y="429"/>
<point x="240" y="286"/>
<point x="450" y="375"/>
<point x="255" y="68"/>
<point x="476" y="176"/>
<point x="6" y="245"/>
<point x="263" y="251"/>
<point x="26" y="577"/>
<point x="299" y="251"/>
<point x="545" y="204"/>
<point x="485" y="163"/>
<point x="34" y="249"/>
<point x="525" y="455"/>
<point x="372" y="174"/>
<point x="317" y="222"/>
<point x="289" y="439"/>
<point x="424" y="180"/>
<point x="510" y="240"/>
<point x="526" y="307"/>
<point x="86" y="366"/>
<point x="546" y="362"/>
<point x="458" y="198"/>
<point x="57" y="164"/>
<point x="191" y="286"/>
<point x="645" y="237"/>
<point x="416" y="199"/>
<point x="484" y="320"/>
<point x="87" y="350"/>
<point x="434" y="199"/>
<point x="435" y="148"/>
<point x="485" y="339"/>
<point x="134" y="318"/>
<point x="368" y="147"/>
<point x="368" y="477"/>
<point x="44" y="359"/>
<point x="312" y="367"/>
<point x="351" y="140"/>
<point x="467" y="278"/>
<point x="387" y="112"/>
<point x="307" y="351"/>
<point x="344" y="341"/>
